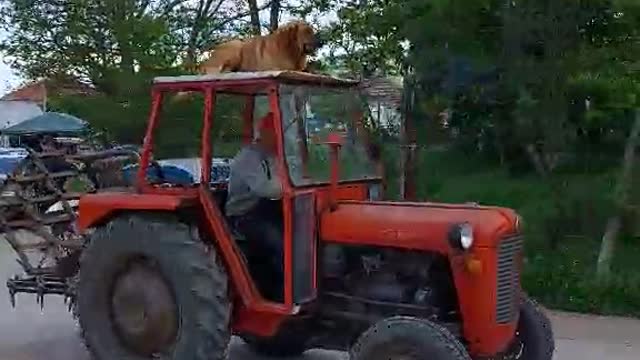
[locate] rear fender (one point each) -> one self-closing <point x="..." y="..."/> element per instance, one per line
<point x="94" y="209"/>
<point x="252" y="313"/>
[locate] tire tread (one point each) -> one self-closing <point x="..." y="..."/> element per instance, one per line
<point x="208" y="277"/>
<point x="430" y="331"/>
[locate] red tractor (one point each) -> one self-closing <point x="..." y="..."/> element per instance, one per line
<point x="164" y="275"/>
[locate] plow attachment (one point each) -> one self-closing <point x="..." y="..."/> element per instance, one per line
<point x="38" y="203"/>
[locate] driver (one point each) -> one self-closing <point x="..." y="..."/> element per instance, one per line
<point x="253" y="186"/>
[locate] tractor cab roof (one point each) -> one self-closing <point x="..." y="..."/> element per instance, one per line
<point x="246" y="82"/>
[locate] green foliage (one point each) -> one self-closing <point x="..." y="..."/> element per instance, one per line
<point x="101" y="41"/>
<point x="124" y="119"/>
<point x="366" y="37"/>
<point x="564" y="279"/>
<point x="124" y="122"/>
<point x="513" y="74"/>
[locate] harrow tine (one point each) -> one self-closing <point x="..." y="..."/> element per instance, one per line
<point x="40" y="292"/>
<point x="40" y="299"/>
<point x="12" y="298"/>
<point x="69" y="301"/>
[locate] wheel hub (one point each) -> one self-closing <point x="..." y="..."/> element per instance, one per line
<point x="143" y="308"/>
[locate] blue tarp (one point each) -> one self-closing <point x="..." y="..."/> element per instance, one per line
<point x="49" y="122"/>
<point x="184" y="171"/>
<point x="172" y="174"/>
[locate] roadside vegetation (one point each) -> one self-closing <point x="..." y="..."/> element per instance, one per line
<point x="563" y="233"/>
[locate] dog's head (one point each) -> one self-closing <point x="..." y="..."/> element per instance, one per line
<point x="303" y="36"/>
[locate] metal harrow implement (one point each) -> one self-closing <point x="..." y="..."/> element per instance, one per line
<point x="38" y="204"/>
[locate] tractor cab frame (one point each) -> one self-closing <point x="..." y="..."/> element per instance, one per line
<point x="287" y="96"/>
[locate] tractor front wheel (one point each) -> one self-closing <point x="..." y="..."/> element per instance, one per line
<point x="150" y="288"/>
<point x="407" y="338"/>
<point x="534" y="332"/>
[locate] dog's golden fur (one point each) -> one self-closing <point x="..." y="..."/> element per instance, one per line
<point x="287" y="48"/>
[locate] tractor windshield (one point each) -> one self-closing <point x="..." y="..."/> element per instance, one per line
<point x="309" y="114"/>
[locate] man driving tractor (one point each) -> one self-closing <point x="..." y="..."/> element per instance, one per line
<point x="253" y="202"/>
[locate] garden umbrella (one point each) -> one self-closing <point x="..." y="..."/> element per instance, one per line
<point x="49" y="122"/>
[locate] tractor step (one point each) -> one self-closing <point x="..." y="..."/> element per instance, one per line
<point x="40" y="285"/>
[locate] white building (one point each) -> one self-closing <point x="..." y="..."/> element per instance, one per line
<point x="13" y="112"/>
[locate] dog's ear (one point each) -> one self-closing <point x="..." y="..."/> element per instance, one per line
<point x="293" y="34"/>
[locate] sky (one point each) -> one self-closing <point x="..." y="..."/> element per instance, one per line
<point x="8" y="78"/>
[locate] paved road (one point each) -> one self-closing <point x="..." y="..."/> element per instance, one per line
<point x="28" y="334"/>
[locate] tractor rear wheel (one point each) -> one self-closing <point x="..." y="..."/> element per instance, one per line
<point x="149" y="288"/>
<point x="534" y="332"/>
<point x="407" y="338"/>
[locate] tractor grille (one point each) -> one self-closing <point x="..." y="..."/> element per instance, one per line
<point x="508" y="285"/>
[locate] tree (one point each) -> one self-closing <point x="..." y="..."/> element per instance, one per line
<point x="201" y="24"/>
<point x="99" y="41"/>
<point x="620" y="48"/>
<point x="366" y="37"/>
<point x="106" y="42"/>
<point x="274" y="15"/>
<point x="254" y="12"/>
<point x="622" y="194"/>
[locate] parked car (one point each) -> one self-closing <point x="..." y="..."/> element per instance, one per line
<point x="10" y="158"/>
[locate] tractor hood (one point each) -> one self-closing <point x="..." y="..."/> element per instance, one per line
<point x="419" y="226"/>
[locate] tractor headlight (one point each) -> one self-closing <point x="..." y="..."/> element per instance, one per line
<point x="461" y="236"/>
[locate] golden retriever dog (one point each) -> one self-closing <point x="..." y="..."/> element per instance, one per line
<point x="287" y="48"/>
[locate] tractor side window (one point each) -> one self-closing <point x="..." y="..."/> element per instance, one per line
<point x="226" y="132"/>
<point x="228" y="122"/>
<point x="309" y="114"/>
<point x="177" y="134"/>
<point x="176" y="142"/>
<point x="260" y="109"/>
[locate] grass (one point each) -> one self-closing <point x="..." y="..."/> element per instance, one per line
<point x="564" y="218"/>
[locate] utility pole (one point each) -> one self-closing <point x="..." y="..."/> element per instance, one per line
<point x="408" y="141"/>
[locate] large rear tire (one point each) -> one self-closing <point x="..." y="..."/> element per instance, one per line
<point x="407" y="338"/>
<point x="534" y="332"/>
<point x="149" y="288"/>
